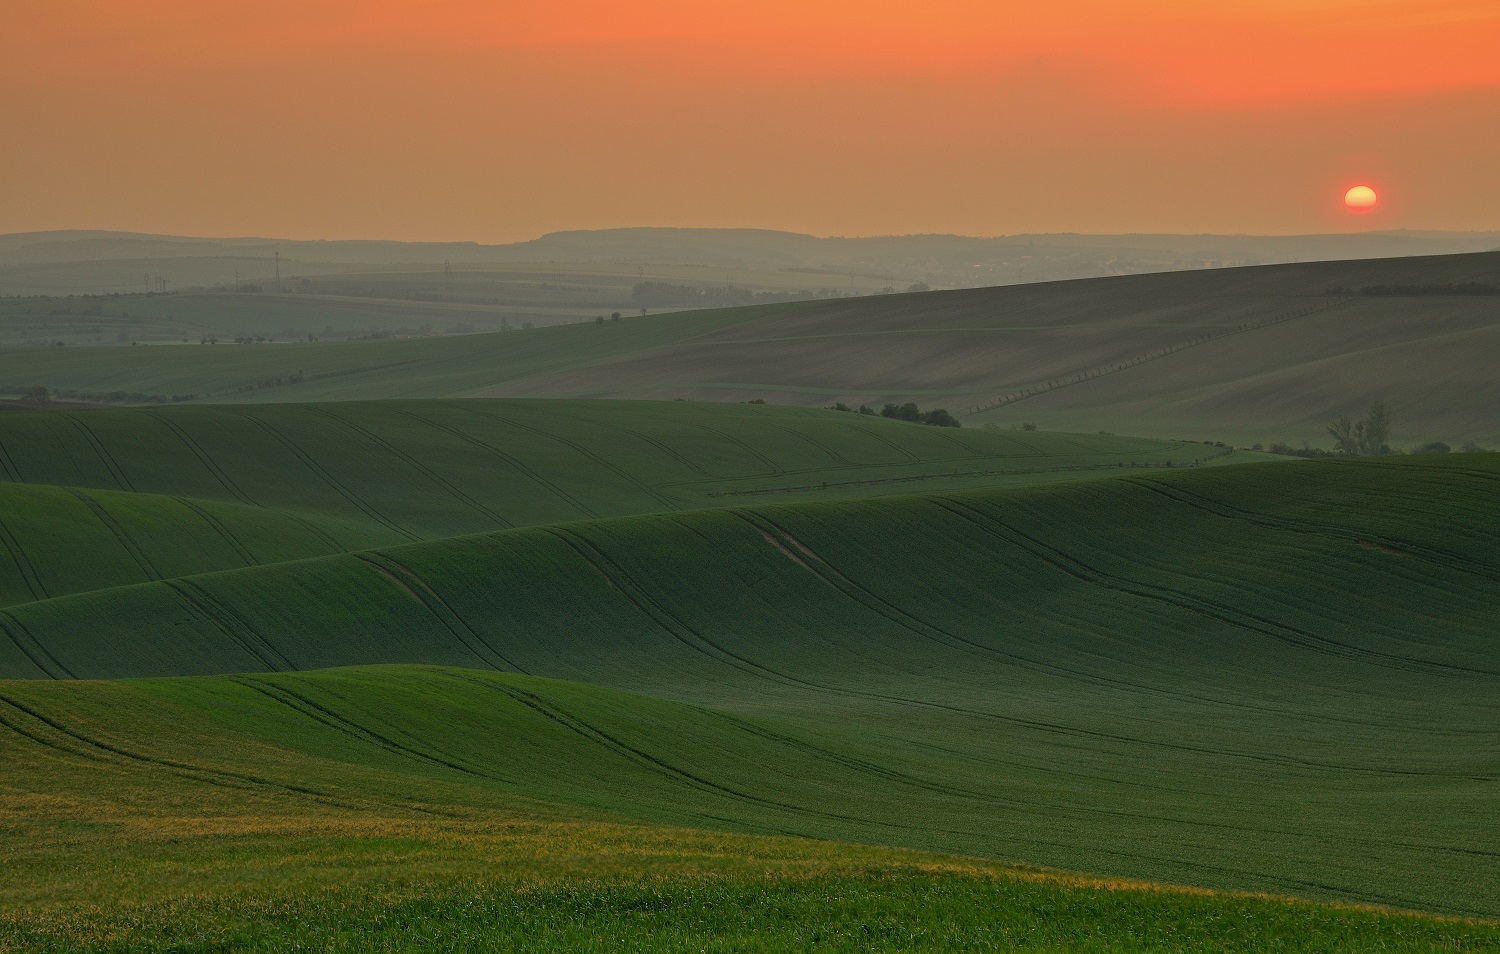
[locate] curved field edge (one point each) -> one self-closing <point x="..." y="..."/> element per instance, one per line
<point x="266" y="825"/>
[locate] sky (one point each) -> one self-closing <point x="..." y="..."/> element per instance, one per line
<point x="502" y="120"/>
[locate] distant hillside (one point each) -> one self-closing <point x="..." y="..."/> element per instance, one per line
<point x="1245" y="355"/>
<point x="78" y="262"/>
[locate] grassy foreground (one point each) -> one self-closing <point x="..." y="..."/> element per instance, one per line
<point x="116" y="854"/>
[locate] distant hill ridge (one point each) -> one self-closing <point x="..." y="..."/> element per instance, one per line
<point x="72" y="262"/>
<point x="1246" y="355"/>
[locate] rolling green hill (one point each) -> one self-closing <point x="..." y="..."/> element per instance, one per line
<point x="105" y="498"/>
<point x="1276" y="678"/>
<point x="377" y="809"/>
<point x="1246" y="355"/>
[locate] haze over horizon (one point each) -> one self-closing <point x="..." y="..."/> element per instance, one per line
<point x="468" y="121"/>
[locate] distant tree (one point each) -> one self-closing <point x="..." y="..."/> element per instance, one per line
<point x="1369" y="437"/>
<point x="599" y="320"/>
<point x="1433" y="447"/>
<point x="866" y="409"/>
<point x="902" y="412"/>
<point x="36" y="393"/>
<point x="756" y="401"/>
<point x="841" y="406"/>
<point x="939" y="417"/>
<point x="918" y="287"/>
<point x="1028" y="427"/>
<point x="1471" y="448"/>
<point x="614" y="316"/>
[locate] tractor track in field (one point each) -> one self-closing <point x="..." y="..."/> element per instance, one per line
<point x="416" y="465"/>
<point x="1239" y="619"/>
<point x="658" y="766"/>
<point x="775" y="470"/>
<point x="665" y="620"/>
<point x="1447" y="561"/>
<point x="200" y="602"/>
<point x="38" y="651"/>
<point x="24" y="566"/>
<point x="116" y="472"/>
<point x="204" y="458"/>
<point x="321" y="714"/>
<point x="428" y="597"/>
<point x="124" y="539"/>
<point x="782" y="539"/>
<point x="232" y="488"/>
<point x="579" y="448"/>
<point x="219" y="777"/>
<point x="870" y="433"/>
<point x="690" y="637"/>
<point x="12" y="472"/>
<point x="662" y="446"/>
<point x="880" y="606"/>
<point x="839" y="459"/>
<point x="513" y="461"/>
<point x="851" y="762"/>
<point x="218" y="527"/>
<point x="321" y="473"/>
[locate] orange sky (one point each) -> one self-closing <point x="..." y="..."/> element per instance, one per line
<point x="495" y="121"/>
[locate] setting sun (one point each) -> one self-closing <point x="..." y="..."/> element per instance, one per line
<point x="1361" y="199"/>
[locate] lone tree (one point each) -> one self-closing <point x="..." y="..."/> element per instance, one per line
<point x="36" y="393"/>
<point x="1369" y="437"/>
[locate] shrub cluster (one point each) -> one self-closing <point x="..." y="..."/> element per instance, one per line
<point x="937" y="417"/>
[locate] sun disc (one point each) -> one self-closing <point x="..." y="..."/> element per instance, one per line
<point x="1361" y="198"/>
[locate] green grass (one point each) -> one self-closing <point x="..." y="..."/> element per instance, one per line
<point x="107" y="498"/>
<point x="1246" y="355"/>
<point x="242" y="814"/>
<point x="1266" y="678"/>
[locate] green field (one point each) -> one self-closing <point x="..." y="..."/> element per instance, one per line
<point x="366" y="646"/>
<point x="106" y="498"/>
<point x="225" y="819"/>
<point x="1245" y="355"/>
<point x="1266" y="678"/>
